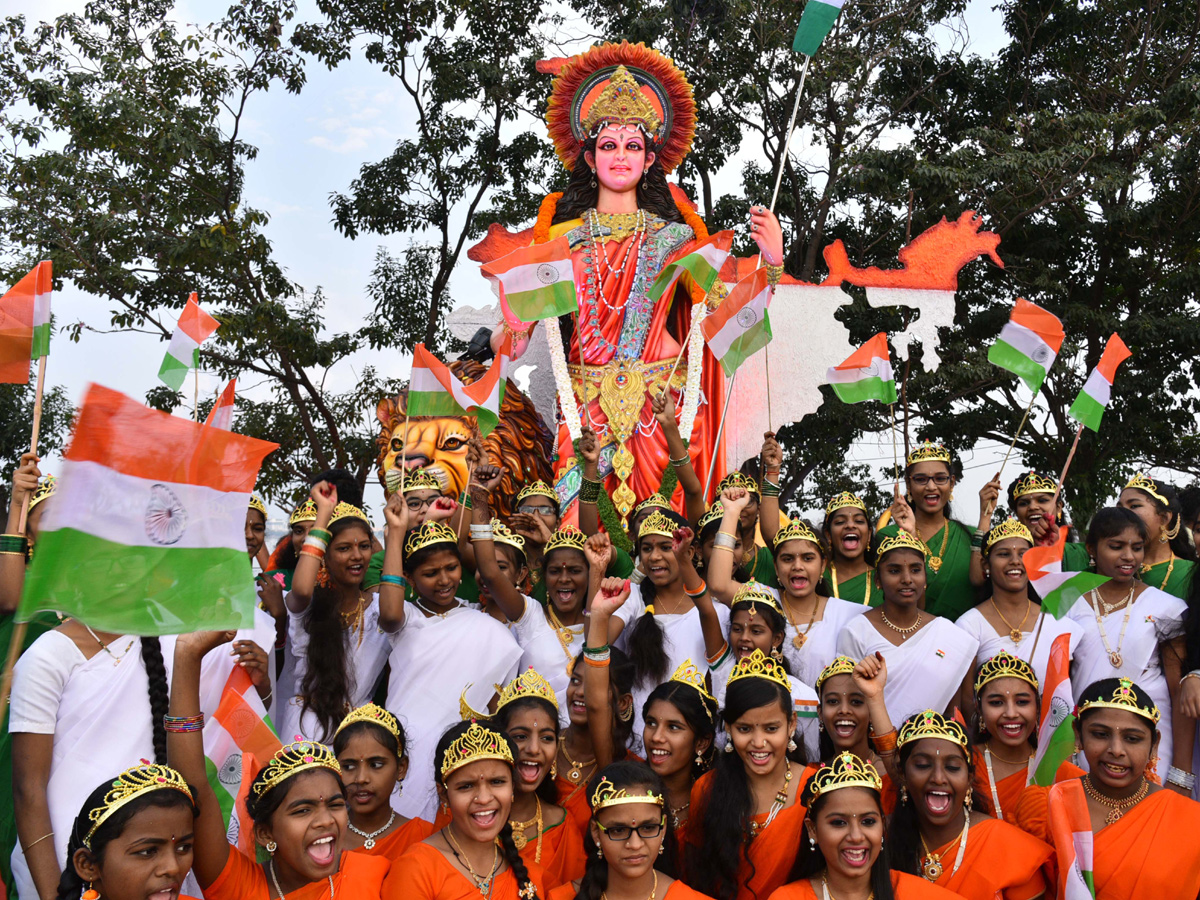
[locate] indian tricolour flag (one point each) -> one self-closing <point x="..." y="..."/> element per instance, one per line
<point x="1071" y="833"/>
<point x="153" y="509"/>
<point x="1056" y="735"/>
<point x="866" y="374"/>
<point x="238" y="741"/>
<point x="221" y="415"/>
<point x="1028" y="344"/>
<point x="741" y="326"/>
<point x="25" y="324"/>
<point x="1089" y="406"/>
<point x="434" y="390"/>
<point x="1058" y="589"/>
<point x="183" y="353"/>
<point x="703" y="264"/>
<point x="815" y="24"/>
<point x="535" y="282"/>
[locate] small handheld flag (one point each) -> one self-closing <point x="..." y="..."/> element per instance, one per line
<point x="1058" y="589"/>
<point x="703" y="264"/>
<point x="433" y="390"/>
<point x="25" y="324"/>
<point x="183" y="353"/>
<point x="221" y="415"/>
<point x="535" y="282"/>
<point x="741" y="325"/>
<point x="815" y="24"/>
<point x="1056" y="737"/>
<point x="1089" y="406"/>
<point x="866" y="374"/>
<point x="1028" y="343"/>
<point x="1071" y="833"/>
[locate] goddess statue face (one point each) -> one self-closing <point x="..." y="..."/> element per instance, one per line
<point x="620" y="157"/>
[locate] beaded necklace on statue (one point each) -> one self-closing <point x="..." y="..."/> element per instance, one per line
<point x="596" y="264"/>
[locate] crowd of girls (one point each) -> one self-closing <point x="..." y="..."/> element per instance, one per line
<point x="744" y="707"/>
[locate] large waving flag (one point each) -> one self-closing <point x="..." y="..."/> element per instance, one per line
<point x="153" y="508"/>
<point x="1089" y="406"/>
<point x="1028" y="343"/>
<point x="1058" y="589"/>
<point x="815" y="24"/>
<point x="535" y="282"/>
<point x="1056" y="735"/>
<point x="866" y="374"/>
<point x="741" y="326"/>
<point x="25" y="324"/>
<point x="433" y="390"/>
<point x="703" y="264"/>
<point x="183" y="353"/>
<point x="221" y="415"/>
<point x="1071" y="833"/>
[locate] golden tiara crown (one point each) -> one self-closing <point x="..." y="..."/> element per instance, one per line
<point x="46" y="488"/>
<point x="569" y="537"/>
<point x="131" y="784"/>
<point x="1033" y="483"/>
<point x="654" y="501"/>
<point x="256" y="503"/>
<point x="657" y="523"/>
<point x="607" y="794"/>
<point x="841" y="665"/>
<point x="795" y="530"/>
<point x="465" y="711"/>
<point x="428" y="534"/>
<point x="623" y="103"/>
<point x="528" y="684"/>
<point x="374" y="715"/>
<point x="1144" y="482"/>
<point x="1005" y="665"/>
<point x="845" y="771"/>
<point x="752" y="592"/>
<point x="305" y="512"/>
<point x="738" y="479"/>
<point x="348" y="511"/>
<point x="478" y="743"/>
<point x="538" y="489"/>
<point x="931" y="724"/>
<point x="291" y="759"/>
<point x="901" y="540"/>
<point x="687" y="673"/>
<point x="759" y="665"/>
<point x="1124" y="698"/>
<point x="844" y="500"/>
<point x="420" y="480"/>
<point x="502" y="534"/>
<point x="929" y="451"/>
<point x="1009" y="528"/>
<point x="714" y="513"/>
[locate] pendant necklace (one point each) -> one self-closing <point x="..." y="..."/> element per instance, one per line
<point x="802" y="636"/>
<point x="935" y="559"/>
<point x="1117" y="808"/>
<point x="1014" y="631"/>
<point x="931" y="863"/>
<point x="104" y="646"/>
<point x="519" y="829"/>
<point x="1114" y="656"/>
<point x="482" y="882"/>
<point x="577" y="766"/>
<point x="369" y="837"/>
<point x="903" y="632"/>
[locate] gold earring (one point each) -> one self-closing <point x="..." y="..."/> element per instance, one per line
<point x="272" y="847"/>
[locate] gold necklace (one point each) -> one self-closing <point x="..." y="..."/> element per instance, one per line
<point x="563" y="633"/>
<point x="1014" y="632"/>
<point x="1170" y="568"/>
<point x="103" y="646"/>
<point x="519" y="828"/>
<point x="1114" y="656"/>
<point x="483" y="883"/>
<point x="353" y="621"/>
<point x="653" y="890"/>
<point x="577" y="767"/>
<point x="833" y="579"/>
<point x="1117" y="808"/>
<point x="935" y="560"/>
<point x="801" y="636"/>
<point x="781" y="797"/>
<point x="827" y="895"/>
<point x="620" y="225"/>
<point x="903" y="632"/>
<point x="931" y="863"/>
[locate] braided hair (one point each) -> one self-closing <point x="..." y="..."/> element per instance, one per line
<point x="646" y="647"/>
<point x="160" y="696"/>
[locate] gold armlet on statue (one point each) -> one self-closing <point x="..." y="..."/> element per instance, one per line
<point x="716" y="295"/>
<point x="774" y="274"/>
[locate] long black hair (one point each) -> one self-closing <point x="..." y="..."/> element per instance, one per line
<point x="698" y="711"/>
<point x="525" y="884"/>
<point x="156" y="676"/>
<point x="70" y="885"/>
<point x="713" y="866"/>
<point x="547" y="791"/>
<point x="646" y="646"/>
<point x="810" y="861"/>
<point x="775" y="621"/>
<point x="1112" y="521"/>
<point x="621" y="676"/>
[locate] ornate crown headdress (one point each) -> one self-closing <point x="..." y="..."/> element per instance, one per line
<point x="292" y="759"/>
<point x="841" y="665"/>
<point x="759" y="665"/>
<point x="466" y="712"/>
<point x="1005" y="665"/>
<point x="1124" y="698"/>
<point x="348" y="511"/>
<point x="305" y="512"/>
<point x="715" y="513"/>
<point x="753" y="593"/>
<point x="428" y="534"/>
<point x="902" y="540"/>
<point x="657" y="523"/>
<point x="1009" y="528"/>
<point x="931" y="724"/>
<point x="607" y="794"/>
<point x="687" y="673"/>
<point x="654" y="501"/>
<point x="1144" y="482"/>
<point x="622" y="102"/>
<point x="844" y="500"/>
<point x="256" y="503"/>
<point x="739" y="479"/>
<point x="502" y="534"/>
<point x="478" y="743"/>
<point x="929" y="451"/>
<point x="420" y="480"/>
<point x="539" y="488"/>
<point x="45" y="489"/>
<point x="1033" y="483"/>
<point x="845" y="771"/>
<point x="375" y="715"/>
<point x="795" y="530"/>
<point x="569" y="537"/>
<point x="131" y="784"/>
<point x="528" y="684"/>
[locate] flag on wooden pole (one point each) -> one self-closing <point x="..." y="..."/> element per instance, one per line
<point x="741" y="325"/>
<point x="1028" y="343"/>
<point x="535" y="282"/>
<point x="703" y="264"/>
<point x="183" y="353"/>
<point x="1088" y="408"/>
<point x="866" y="374"/>
<point x="221" y="415"/>
<point x="25" y="324"/>
<point x="434" y="390"/>
<point x="153" y="508"/>
<point x="815" y="24"/>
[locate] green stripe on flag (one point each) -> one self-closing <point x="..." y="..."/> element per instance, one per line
<point x="747" y="344"/>
<point x="433" y="403"/>
<point x="139" y="590"/>
<point x="544" y="303"/>
<point x="1087" y="410"/>
<point x="1059" y="601"/>
<point x="815" y="24"/>
<point x="41" y="341"/>
<point x="225" y="800"/>
<point x="1062" y="746"/>
<point x="866" y="389"/>
<point x="172" y="372"/>
<point x="694" y="264"/>
<point x="1009" y="357"/>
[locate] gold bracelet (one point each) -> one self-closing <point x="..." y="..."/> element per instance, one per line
<point x="26" y="849"/>
<point x="774" y="274"/>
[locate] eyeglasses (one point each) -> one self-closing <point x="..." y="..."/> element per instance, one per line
<point x="416" y="504"/>
<point x="646" y="830"/>
<point x="537" y="510"/>
<point x="941" y="479"/>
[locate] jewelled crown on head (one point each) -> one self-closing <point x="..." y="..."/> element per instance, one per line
<point x="845" y="771"/>
<point x="348" y="511"/>
<point x="374" y="715"/>
<point x="759" y="665"/>
<point x="841" y="665"/>
<point x="844" y="500"/>
<point x="502" y="534"/>
<point x="623" y="103"/>
<point x="427" y="535"/>
<point x="1033" y="483"/>
<point x="753" y="593"/>
<point x="1125" y="697"/>
<point x="131" y="784"/>
<point x="468" y="713"/>
<point x="931" y="724"/>
<point x="256" y="503"/>
<point x="654" y="501"/>
<point x="568" y="537"/>
<point x="538" y="488"/>
<point x="305" y="512"/>
<point x="476" y="744"/>
<point x="902" y="540"/>
<point x="795" y="530"/>
<point x="607" y="794"/>
<point x="45" y="489"/>
<point x="528" y="684"/>
<point x="687" y="673"/>
<point x="420" y="480"/>
<point x="929" y="451"/>
<point x="657" y="523"/>
<point x="1144" y="482"/>
<point x="1005" y="665"/>
<point x="291" y="759"/>
<point x="738" y="479"/>
<point x="1009" y="528"/>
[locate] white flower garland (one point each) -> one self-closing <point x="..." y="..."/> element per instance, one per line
<point x="695" y="361"/>
<point x="562" y="379"/>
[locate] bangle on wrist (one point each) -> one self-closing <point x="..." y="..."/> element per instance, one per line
<point x="682" y="461"/>
<point x="589" y="491"/>
<point x="397" y="580"/>
<point x="724" y="540"/>
<point x="183" y="724"/>
<point x="321" y="534"/>
<point x="977" y="539"/>
<point x="637" y="576"/>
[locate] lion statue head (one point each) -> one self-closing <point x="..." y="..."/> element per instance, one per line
<point x="521" y="442"/>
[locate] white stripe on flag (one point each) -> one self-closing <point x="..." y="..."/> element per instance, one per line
<point x="41" y="309"/>
<point x="533" y="276"/>
<point x="746" y="318"/>
<point x="423" y="379"/>
<point x="183" y="348"/>
<point x="141" y="512"/>
<point x="1098" y="388"/>
<point x="879" y="368"/>
<point x="1027" y="342"/>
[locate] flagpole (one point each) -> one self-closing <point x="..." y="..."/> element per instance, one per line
<point x="895" y="452"/>
<point x="583" y="391"/>
<point x="1063" y="476"/>
<point x="196" y="391"/>
<point x="1020" y="428"/>
<point x="462" y="507"/>
<point x="712" y="465"/>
